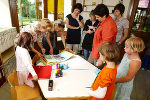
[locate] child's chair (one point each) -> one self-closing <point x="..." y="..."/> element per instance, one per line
<point x="22" y="92"/>
<point x="113" y="93"/>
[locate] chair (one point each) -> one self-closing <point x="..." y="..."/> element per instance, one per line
<point x="22" y="92"/>
<point x="113" y="93"/>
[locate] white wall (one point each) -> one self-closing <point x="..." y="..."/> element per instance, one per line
<point x="5" y="19"/>
<point x="106" y="2"/>
<point x="67" y="7"/>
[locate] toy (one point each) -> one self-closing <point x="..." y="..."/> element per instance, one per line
<point x="59" y="68"/>
<point x="64" y="66"/>
<point x="59" y="72"/>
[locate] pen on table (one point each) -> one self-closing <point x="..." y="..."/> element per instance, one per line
<point x="87" y="87"/>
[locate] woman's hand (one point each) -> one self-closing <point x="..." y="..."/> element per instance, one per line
<point x="89" y="31"/>
<point x="119" y="43"/>
<point x="76" y="27"/>
<point x="92" y="28"/>
<point x="51" y="51"/>
<point x="39" y="54"/>
<point x="67" y="49"/>
<point x="35" y="77"/>
<point x="43" y="50"/>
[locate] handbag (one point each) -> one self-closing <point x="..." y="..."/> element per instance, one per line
<point x="43" y="72"/>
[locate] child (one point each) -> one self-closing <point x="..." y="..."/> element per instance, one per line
<point x="45" y="26"/>
<point x="23" y="60"/>
<point x="128" y="68"/>
<point x="59" y="29"/>
<point x="33" y="31"/>
<point x="38" y="32"/>
<point x="104" y="83"/>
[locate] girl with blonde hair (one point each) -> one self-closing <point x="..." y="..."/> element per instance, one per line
<point x="128" y="68"/>
<point x="38" y="31"/>
<point x="45" y="26"/>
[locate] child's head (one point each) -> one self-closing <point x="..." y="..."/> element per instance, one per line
<point x="45" y="25"/>
<point x="135" y="44"/>
<point x="60" y="27"/>
<point x="109" y="52"/>
<point x="25" y="40"/>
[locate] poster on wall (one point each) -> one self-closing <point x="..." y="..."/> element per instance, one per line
<point x="143" y="3"/>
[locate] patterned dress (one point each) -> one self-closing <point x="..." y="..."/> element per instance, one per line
<point x="124" y="90"/>
<point x="122" y="24"/>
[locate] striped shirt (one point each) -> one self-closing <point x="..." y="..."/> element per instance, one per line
<point x="122" y="24"/>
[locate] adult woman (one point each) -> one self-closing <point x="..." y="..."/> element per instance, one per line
<point x="74" y="23"/>
<point x="89" y="35"/>
<point x="122" y="24"/>
<point x="106" y="31"/>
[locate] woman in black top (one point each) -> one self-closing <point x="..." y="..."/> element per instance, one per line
<point x="74" y="23"/>
<point x="53" y="38"/>
<point x="88" y="38"/>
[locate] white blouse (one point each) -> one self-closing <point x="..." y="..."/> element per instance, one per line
<point x="23" y="61"/>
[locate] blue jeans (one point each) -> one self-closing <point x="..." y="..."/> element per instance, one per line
<point x="146" y="62"/>
<point x="86" y="54"/>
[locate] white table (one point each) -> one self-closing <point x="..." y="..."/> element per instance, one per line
<point x="74" y="82"/>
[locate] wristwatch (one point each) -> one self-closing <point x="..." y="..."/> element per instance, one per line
<point x="119" y="42"/>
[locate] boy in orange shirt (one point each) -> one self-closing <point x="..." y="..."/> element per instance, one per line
<point x="103" y="85"/>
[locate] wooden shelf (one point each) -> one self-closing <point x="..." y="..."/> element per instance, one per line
<point x="7" y="54"/>
<point x="86" y="11"/>
<point x="90" y="5"/>
<point x="110" y="6"/>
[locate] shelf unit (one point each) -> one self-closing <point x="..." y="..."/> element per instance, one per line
<point x="8" y="54"/>
<point x="140" y="23"/>
<point x="94" y="5"/>
<point x="140" y="20"/>
<point x="2" y="76"/>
